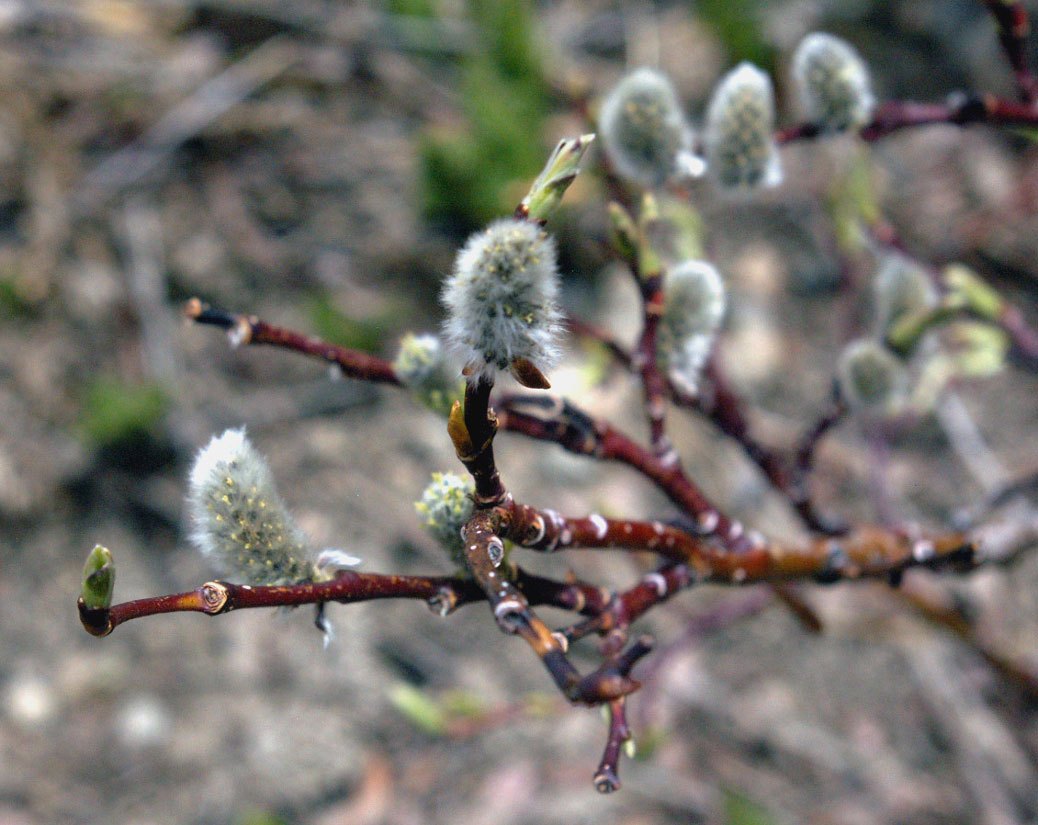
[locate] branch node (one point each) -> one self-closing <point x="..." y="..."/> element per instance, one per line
<point x="215" y="598"/>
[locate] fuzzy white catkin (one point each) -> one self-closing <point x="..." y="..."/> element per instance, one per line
<point x="693" y="308"/>
<point x="741" y="152"/>
<point x="872" y="379"/>
<point x="642" y="127"/>
<point x="239" y="520"/>
<point x="501" y="299"/>
<point x="833" y="83"/>
<point x="423" y="367"/>
<point x="445" y="506"/>
<point x="901" y="288"/>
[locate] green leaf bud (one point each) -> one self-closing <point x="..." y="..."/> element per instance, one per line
<point x="967" y="288"/>
<point x="446" y="505"/>
<point x="423" y="367"/>
<point x="643" y="128"/>
<point x="872" y="379"/>
<point x="833" y="83"/>
<point x="98" y="579"/>
<point x="558" y="173"/>
<point x="501" y="300"/>
<point x="741" y="152"/>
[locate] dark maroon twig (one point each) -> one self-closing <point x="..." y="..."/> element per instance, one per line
<point x="1013" y="30"/>
<point x="800" y="487"/>
<point x="443" y="594"/>
<point x="248" y="329"/>
<point x="960" y="110"/>
<point x="1023" y="337"/>
<point x="607" y="777"/>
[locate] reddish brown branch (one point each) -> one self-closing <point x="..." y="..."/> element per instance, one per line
<point x="442" y="593"/>
<point x="1013" y="30"/>
<point x="248" y="329"/>
<point x="646" y="360"/>
<point x="484" y="553"/>
<point x="722" y="406"/>
<point x="959" y="110"/>
<point x="549" y="419"/>
<point x="472" y="429"/>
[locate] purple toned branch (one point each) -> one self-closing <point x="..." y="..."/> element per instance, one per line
<point x="1013" y="30"/>
<point x="248" y="329"/>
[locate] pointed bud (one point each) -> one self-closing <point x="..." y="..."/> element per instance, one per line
<point x="643" y="128"/>
<point x="872" y="379"/>
<point x="741" y="152"/>
<point x="98" y="579"/>
<point x="902" y="289"/>
<point x="559" y="172"/>
<point x="239" y="519"/>
<point x="423" y="367"/>
<point x="968" y="289"/>
<point x="445" y="507"/>
<point x="693" y="307"/>
<point x="833" y="83"/>
<point x="977" y="350"/>
<point x="623" y="234"/>
<point x="502" y="300"/>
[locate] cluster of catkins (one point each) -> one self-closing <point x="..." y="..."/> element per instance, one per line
<point x="502" y="310"/>
<point x="648" y="139"/>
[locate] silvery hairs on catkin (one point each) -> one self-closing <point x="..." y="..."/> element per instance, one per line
<point x="741" y="152"/>
<point x="693" y="308"/>
<point x="833" y="83"/>
<point x="501" y="299"/>
<point x="240" y="521"/>
<point x="643" y="128"/>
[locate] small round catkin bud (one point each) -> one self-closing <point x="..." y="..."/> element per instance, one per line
<point x="445" y="506"/>
<point x="872" y="379"/>
<point x="238" y="518"/>
<point x="901" y="288"/>
<point x="643" y="128"/>
<point x="833" y="83"/>
<point x="501" y="300"/>
<point x="422" y="366"/>
<point x="741" y="153"/>
<point x="693" y="307"/>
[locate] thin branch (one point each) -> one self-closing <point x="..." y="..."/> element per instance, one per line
<point x="549" y="419"/>
<point x="1013" y="30"/>
<point x="484" y="552"/>
<point x="959" y="110"/>
<point x="721" y="405"/>
<point x="248" y="329"/>
<point x="607" y="777"/>
<point x="443" y="594"/>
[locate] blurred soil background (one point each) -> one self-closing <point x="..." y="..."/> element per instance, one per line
<point x="317" y="164"/>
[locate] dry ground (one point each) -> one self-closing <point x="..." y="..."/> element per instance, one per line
<point x="260" y="153"/>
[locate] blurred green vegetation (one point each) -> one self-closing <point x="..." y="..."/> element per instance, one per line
<point x="741" y="810"/>
<point x="467" y="174"/>
<point x="738" y="26"/>
<point x="116" y="411"/>
<point x="331" y="324"/>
